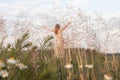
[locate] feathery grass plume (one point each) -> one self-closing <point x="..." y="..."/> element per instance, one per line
<point x="46" y="42"/>
<point x="21" y="45"/>
<point x="20" y="42"/>
<point x="34" y="48"/>
<point x="26" y="45"/>
<point x="2" y="40"/>
<point x="24" y="37"/>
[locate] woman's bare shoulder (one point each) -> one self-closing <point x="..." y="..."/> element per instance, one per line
<point x="60" y="30"/>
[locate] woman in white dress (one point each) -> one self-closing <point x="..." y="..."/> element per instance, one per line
<point x="59" y="43"/>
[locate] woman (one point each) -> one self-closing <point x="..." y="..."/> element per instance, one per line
<point x="59" y="44"/>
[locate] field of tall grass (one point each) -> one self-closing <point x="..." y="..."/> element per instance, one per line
<point x="27" y="62"/>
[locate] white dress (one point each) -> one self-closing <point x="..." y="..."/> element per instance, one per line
<point x="59" y="44"/>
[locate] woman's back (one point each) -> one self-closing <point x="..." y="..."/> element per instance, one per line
<point x="59" y="35"/>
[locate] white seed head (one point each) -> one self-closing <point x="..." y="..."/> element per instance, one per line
<point x="11" y="61"/>
<point x="89" y="66"/>
<point x="9" y="49"/>
<point x="108" y="77"/>
<point x="4" y="73"/>
<point x="21" y="66"/>
<point x="68" y="66"/>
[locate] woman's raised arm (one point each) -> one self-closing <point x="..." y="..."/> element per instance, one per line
<point x="66" y="26"/>
<point x="49" y="29"/>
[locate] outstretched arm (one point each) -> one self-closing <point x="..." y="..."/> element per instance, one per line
<point x="49" y="29"/>
<point x="66" y="26"/>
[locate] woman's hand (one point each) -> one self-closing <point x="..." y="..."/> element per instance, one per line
<point x="69" y="22"/>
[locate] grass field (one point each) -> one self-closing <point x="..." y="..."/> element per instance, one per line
<point x="35" y="63"/>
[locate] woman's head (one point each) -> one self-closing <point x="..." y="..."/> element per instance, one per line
<point x="57" y="27"/>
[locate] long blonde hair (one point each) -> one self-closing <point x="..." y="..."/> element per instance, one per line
<point x="57" y="27"/>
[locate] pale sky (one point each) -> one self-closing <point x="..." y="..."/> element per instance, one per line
<point x="40" y="7"/>
<point x="37" y="10"/>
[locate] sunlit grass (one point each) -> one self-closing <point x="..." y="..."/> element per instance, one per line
<point x="35" y="63"/>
